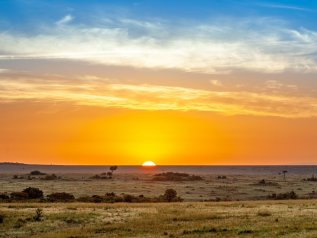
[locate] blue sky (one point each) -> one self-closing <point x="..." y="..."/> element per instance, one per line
<point x="23" y="15"/>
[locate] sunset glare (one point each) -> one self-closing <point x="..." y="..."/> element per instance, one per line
<point x="148" y="164"/>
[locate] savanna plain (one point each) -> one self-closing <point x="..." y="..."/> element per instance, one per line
<point x="207" y="205"/>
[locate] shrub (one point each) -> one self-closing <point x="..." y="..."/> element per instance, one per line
<point x="128" y="198"/>
<point x="38" y="215"/>
<point x="171" y="176"/>
<point x="36" y="172"/>
<point x="97" y="198"/>
<point x="1" y="219"/>
<point x="170" y="195"/>
<point x="263" y="182"/>
<point x="264" y="213"/>
<point x="33" y="193"/>
<point x="64" y="197"/>
<point x="283" y="196"/>
<point x="4" y="196"/>
<point x="311" y="179"/>
<point x="19" y="195"/>
<point x="50" y="177"/>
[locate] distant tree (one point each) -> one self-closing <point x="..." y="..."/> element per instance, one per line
<point x="170" y="195"/>
<point x="113" y="168"/>
<point x="284" y="174"/>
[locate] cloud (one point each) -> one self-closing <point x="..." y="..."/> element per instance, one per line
<point x="66" y="19"/>
<point x="260" y="45"/>
<point x="3" y="70"/>
<point x="287" y="7"/>
<point x="216" y="83"/>
<point x="101" y="92"/>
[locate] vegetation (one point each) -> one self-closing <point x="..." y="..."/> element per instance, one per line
<point x="311" y="179"/>
<point x="60" y="197"/>
<point x="38" y="215"/>
<point x="283" y="196"/>
<point x="33" y="193"/>
<point x="171" y="176"/>
<point x="291" y="218"/>
<point x="30" y="193"/>
<point x="264" y="182"/>
<point x="36" y="172"/>
<point x="170" y="195"/>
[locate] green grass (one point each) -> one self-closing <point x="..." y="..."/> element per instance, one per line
<point x="200" y="219"/>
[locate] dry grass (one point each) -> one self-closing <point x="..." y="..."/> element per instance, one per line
<point x="201" y="219"/>
<point x="235" y="187"/>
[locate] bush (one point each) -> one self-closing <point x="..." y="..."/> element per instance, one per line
<point x="36" y="172"/>
<point x="171" y="176"/>
<point x="1" y="219"/>
<point x="283" y="196"/>
<point x="170" y="195"/>
<point x="64" y="197"/>
<point x="33" y="193"/>
<point x="263" y="182"/>
<point x="38" y="215"/>
<point x="311" y="179"/>
<point x="19" y="196"/>
<point x="50" y="177"/>
<point x="4" y="196"/>
<point x="264" y="213"/>
<point x="128" y="198"/>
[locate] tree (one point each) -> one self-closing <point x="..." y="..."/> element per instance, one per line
<point x="170" y="195"/>
<point x="284" y="174"/>
<point x="113" y="168"/>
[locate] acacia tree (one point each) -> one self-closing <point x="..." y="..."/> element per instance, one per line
<point x="284" y="174"/>
<point x="113" y="168"/>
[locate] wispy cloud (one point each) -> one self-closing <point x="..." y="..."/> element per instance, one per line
<point x="282" y="6"/>
<point x="261" y="45"/>
<point x="102" y="93"/>
<point x="66" y="19"/>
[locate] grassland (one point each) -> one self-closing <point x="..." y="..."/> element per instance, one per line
<point x="296" y="218"/>
<point x="234" y="187"/>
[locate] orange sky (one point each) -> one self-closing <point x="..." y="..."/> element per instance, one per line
<point x="65" y="134"/>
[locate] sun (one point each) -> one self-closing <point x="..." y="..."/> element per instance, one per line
<point x="148" y="164"/>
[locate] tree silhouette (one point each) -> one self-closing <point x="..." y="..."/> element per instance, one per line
<point x="284" y="174"/>
<point x="113" y="168"/>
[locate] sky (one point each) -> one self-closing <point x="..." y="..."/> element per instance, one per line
<point x="175" y="82"/>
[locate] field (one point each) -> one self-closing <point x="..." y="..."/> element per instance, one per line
<point x="234" y="187"/>
<point x="296" y="218"/>
<point x="219" y="205"/>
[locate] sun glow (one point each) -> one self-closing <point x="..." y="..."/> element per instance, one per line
<point x="148" y="164"/>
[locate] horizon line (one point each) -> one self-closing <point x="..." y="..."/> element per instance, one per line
<point x="158" y="165"/>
